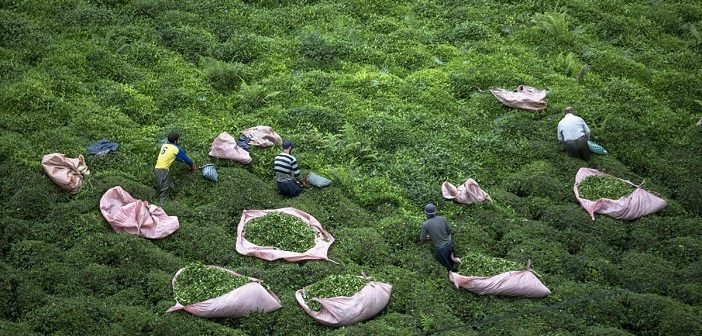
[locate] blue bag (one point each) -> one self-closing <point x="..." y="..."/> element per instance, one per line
<point x="318" y="180"/>
<point x="103" y="147"/>
<point x="209" y="172"/>
<point x="595" y="148"/>
<point x="243" y="142"/>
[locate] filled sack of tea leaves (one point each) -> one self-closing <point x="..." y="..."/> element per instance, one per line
<point x="340" y="300"/>
<point x="286" y="233"/>
<point x="494" y="276"/>
<point x="602" y="193"/>
<point x="216" y="292"/>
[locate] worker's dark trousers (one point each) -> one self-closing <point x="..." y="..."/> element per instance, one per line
<point x="289" y="188"/>
<point x="443" y="255"/>
<point x="164" y="184"/>
<point x="578" y="148"/>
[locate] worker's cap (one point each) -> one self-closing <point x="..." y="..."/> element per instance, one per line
<point x="430" y="209"/>
<point x="287" y="144"/>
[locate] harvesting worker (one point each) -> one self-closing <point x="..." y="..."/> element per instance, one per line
<point x="436" y="228"/>
<point x="169" y="152"/>
<point x="573" y="133"/>
<point x="287" y="173"/>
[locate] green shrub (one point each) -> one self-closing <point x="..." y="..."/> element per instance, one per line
<point x="320" y="50"/>
<point x="680" y="250"/>
<point x="34" y="253"/>
<point x="184" y="324"/>
<point x="654" y="314"/>
<point x="189" y="41"/>
<point x="99" y="279"/>
<point x="363" y="246"/>
<point x="645" y="272"/>
<point x="325" y="119"/>
<point x="538" y="179"/>
<point x="224" y="76"/>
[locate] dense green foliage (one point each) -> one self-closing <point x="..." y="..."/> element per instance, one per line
<point x="280" y="230"/>
<point x="388" y="99"/>
<point x="198" y="283"/>
<point x="595" y="187"/>
<point x="332" y="286"/>
<point x="477" y="264"/>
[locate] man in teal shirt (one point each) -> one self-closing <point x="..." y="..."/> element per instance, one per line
<point x="436" y="228"/>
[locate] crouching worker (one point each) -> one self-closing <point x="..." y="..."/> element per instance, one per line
<point x="573" y="133"/>
<point x="287" y="173"/>
<point x="169" y="152"/>
<point x="436" y="228"/>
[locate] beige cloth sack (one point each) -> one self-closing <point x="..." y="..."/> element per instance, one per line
<point x="225" y="147"/>
<point x="467" y="193"/>
<point x="525" y="97"/>
<point x="262" y="136"/>
<point x="342" y="310"/>
<point x="67" y="173"/>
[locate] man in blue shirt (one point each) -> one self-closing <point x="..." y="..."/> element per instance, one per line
<point x="169" y="153"/>
<point x="573" y="133"/>
<point x="436" y="228"/>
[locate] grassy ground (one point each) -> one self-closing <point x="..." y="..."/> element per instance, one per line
<point x="387" y="98"/>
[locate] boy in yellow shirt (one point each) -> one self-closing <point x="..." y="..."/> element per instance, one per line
<point x="169" y="152"/>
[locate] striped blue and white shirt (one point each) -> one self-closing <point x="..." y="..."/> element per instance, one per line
<point x="285" y="167"/>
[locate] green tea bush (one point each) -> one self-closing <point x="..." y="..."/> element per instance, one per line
<point x="16" y="328"/>
<point x="34" y="253"/>
<point x="8" y="282"/>
<point x="398" y="231"/>
<point x="363" y="246"/>
<point x="646" y="272"/>
<point x="681" y="250"/>
<point x="224" y="76"/>
<point x="538" y="179"/>
<point x="323" y="118"/>
<point x="535" y="241"/>
<point x="655" y="314"/>
<point x="386" y="325"/>
<point x="184" y="324"/>
<point x="320" y="50"/>
<point x="100" y="280"/>
<point x="189" y="41"/>
<point x="199" y="240"/>
<point x="376" y="191"/>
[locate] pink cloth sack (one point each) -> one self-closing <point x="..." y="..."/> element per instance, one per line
<point x="126" y="214"/>
<point x="67" y="173"/>
<point x="467" y="193"/>
<point x="515" y="283"/>
<point x="262" y="136"/>
<point x="343" y="311"/>
<point x="637" y="204"/>
<point x="241" y="301"/>
<point x="323" y="239"/>
<point x="224" y="147"/>
<point x="525" y="97"/>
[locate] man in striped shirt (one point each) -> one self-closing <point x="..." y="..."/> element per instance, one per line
<point x="287" y="173"/>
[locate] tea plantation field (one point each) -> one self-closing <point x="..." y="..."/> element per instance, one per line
<point x="388" y="99"/>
